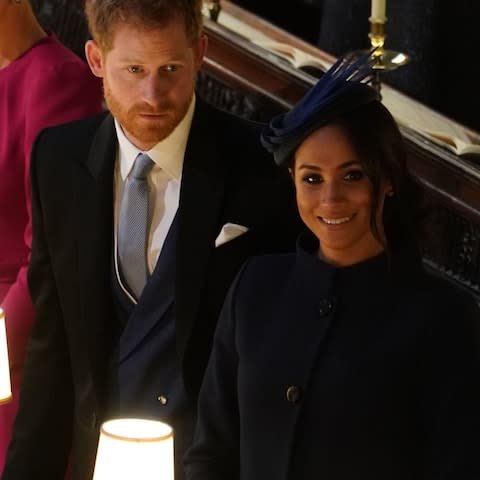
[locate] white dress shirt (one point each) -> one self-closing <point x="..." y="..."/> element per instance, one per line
<point x="164" y="181"/>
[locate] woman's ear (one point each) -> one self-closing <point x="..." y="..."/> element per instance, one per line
<point x="388" y="189"/>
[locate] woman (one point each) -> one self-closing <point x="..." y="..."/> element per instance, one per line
<point x="41" y="84"/>
<point x="345" y="360"/>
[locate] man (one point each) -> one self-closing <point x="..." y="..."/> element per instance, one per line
<point x="124" y="328"/>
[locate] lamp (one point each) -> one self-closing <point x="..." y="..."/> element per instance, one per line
<point x="5" y="387"/>
<point x="132" y="448"/>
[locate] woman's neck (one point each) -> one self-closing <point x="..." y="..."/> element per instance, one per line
<point x="19" y="31"/>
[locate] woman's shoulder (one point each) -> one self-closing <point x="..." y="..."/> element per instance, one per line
<point x="441" y="292"/>
<point x="270" y="265"/>
<point x="441" y="305"/>
<point x="265" y="273"/>
<point x="50" y="51"/>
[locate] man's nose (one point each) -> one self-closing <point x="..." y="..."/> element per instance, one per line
<point x="154" y="89"/>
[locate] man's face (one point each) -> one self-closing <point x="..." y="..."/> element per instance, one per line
<point x="148" y="78"/>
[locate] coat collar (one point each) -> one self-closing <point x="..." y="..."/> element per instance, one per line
<point x="94" y="211"/>
<point x="101" y="156"/>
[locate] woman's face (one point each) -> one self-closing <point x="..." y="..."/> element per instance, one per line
<point x="334" y="197"/>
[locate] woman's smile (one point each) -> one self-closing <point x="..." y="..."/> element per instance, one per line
<point x="337" y="220"/>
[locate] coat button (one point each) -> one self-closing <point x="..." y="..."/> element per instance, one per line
<point x="294" y="394"/>
<point x="162" y="399"/>
<point x="325" y="307"/>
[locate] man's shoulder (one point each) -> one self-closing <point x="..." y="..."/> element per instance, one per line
<point x="230" y="129"/>
<point x="74" y="134"/>
<point x="225" y="118"/>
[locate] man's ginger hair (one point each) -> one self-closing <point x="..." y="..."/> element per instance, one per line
<point x="105" y="15"/>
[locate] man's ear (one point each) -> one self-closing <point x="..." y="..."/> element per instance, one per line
<point x="200" y="50"/>
<point x="94" y="58"/>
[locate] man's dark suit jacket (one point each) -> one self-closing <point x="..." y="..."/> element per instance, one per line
<point x="227" y="177"/>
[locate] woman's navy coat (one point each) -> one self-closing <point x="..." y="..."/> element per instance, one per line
<point x="370" y="371"/>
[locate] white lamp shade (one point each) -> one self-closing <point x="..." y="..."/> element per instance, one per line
<point x="5" y="387"/>
<point x="131" y="448"/>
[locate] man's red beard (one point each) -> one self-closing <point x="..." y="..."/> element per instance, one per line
<point x="140" y="130"/>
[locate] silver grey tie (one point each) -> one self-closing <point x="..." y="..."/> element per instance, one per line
<point x="133" y="225"/>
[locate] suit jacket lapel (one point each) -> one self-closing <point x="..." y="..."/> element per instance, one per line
<point x="201" y="198"/>
<point x="95" y="227"/>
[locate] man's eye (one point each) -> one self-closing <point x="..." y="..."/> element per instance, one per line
<point x="354" y="175"/>
<point x="170" y="68"/>
<point x="134" y="69"/>
<point x="312" y="179"/>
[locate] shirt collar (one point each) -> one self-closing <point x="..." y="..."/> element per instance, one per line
<point x="167" y="154"/>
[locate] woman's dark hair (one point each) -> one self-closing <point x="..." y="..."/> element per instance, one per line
<point x="376" y="138"/>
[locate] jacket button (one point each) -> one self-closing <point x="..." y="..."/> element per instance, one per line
<point x="294" y="394"/>
<point x="162" y="399"/>
<point x="325" y="307"/>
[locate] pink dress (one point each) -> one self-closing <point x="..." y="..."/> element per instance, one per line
<point x="46" y="86"/>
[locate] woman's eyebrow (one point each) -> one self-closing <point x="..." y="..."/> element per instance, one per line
<point x="339" y="167"/>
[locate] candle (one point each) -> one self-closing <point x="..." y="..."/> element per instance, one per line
<point x="378" y="10"/>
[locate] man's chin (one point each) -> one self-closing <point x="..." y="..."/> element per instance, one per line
<point x="151" y="136"/>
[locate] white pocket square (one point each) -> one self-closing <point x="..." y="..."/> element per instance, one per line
<point x="229" y="232"/>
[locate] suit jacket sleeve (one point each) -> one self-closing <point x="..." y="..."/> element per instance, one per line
<point x="60" y="93"/>
<point x="42" y="431"/>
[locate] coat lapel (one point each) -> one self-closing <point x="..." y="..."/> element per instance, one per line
<point x="201" y="198"/>
<point x="94" y="234"/>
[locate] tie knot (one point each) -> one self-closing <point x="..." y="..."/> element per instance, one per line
<point x="143" y="164"/>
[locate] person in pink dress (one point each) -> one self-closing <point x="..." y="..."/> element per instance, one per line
<point x="42" y="84"/>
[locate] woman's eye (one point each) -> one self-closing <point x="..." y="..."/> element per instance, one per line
<point x="312" y="179"/>
<point x="354" y="175"/>
<point x="134" y="69"/>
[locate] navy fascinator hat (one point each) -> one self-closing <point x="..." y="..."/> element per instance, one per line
<point x="338" y="91"/>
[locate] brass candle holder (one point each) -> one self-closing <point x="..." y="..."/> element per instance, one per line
<point x="214" y="8"/>
<point x="385" y="60"/>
